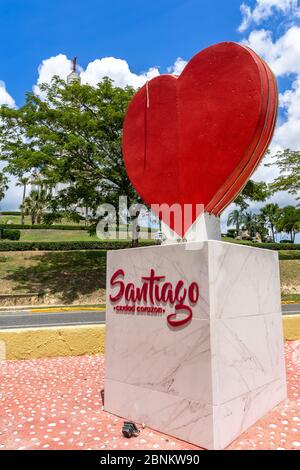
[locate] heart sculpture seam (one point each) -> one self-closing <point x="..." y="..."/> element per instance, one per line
<point x="197" y="138"/>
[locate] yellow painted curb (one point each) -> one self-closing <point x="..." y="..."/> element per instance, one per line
<point x="65" y="309"/>
<point x="288" y="302"/>
<point x="291" y="327"/>
<point x="35" y="343"/>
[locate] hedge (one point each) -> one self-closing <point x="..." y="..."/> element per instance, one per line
<point x="113" y="245"/>
<point x="289" y="255"/>
<point x="10" y="213"/>
<point x="10" y="234"/>
<point x="43" y="227"/>
<point x="66" y="246"/>
<point x="270" y="246"/>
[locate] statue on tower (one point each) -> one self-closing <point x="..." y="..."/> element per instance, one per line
<point x="74" y="64"/>
<point x="73" y="76"/>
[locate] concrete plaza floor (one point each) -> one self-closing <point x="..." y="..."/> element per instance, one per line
<point x="57" y="404"/>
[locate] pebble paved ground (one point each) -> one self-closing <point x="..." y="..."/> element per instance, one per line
<point x="56" y="404"/>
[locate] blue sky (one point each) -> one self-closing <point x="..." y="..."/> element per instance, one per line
<point x="134" y="40"/>
<point x="144" y="33"/>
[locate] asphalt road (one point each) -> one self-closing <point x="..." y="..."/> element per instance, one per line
<point x="29" y="319"/>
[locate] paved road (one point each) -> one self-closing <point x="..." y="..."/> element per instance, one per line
<point x="28" y="319"/>
<point x="291" y="309"/>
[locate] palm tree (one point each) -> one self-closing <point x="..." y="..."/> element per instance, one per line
<point x="23" y="181"/>
<point x="250" y="223"/>
<point x="289" y="221"/>
<point x="35" y="205"/>
<point x="236" y="218"/>
<point x="270" y="214"/>
<point x="255" y="223"/>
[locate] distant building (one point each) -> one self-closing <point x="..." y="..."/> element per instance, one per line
<point x="73" y="76"/>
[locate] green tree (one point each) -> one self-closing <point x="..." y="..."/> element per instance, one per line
<point x="23" y="181"/>
<point x="252" y="192"/>
<point x="71" y="136"/>
<point x="36" y="204"/>
<point x="289" y="221"/>
<point x="254" y="223"/>
<point x="270" y="214"/>
<point x="250" y="222"/>
<point x="288" y="162"/>
<point x="3" y="185"/>
<point x="236" y="218"/>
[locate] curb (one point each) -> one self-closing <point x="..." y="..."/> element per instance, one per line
<point x="36" y="343"/>
<point x="291" y="327"/>
<point x="66" y="309"/>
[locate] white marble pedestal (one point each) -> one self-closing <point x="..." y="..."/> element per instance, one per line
<point x="207" y="381"/>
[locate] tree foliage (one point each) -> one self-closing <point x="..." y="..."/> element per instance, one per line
<point x="3" y="185"/>
<point x="289" y="221"/>
<point x="36" y="204"/>
<point x="71" y="136"/>
<point x="253" y="191"/>
<point x="270" y="214"/>
<point x="288" y="162"/>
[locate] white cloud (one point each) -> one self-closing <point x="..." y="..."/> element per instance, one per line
<point x="116" y="69"/>
<point x="288" y="133"/>
<point x="282" y="55"/>
<point x="264" y="9"/>
<point x="58" y="65"/>
<point x="178" y="66"/>
<point x="5" y="97"/>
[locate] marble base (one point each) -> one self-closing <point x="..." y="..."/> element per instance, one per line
<point x="206" y="227"/>
<point x="210" y="379"/>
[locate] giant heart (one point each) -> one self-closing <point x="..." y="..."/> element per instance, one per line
<point x="197" y="138"/>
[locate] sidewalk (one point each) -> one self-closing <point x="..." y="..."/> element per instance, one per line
<point x="56" y="404"/>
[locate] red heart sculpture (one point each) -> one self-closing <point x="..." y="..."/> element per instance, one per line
<point x="197" y="138"/>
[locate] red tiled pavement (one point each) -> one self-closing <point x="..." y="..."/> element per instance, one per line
<point x="56" y="404"/>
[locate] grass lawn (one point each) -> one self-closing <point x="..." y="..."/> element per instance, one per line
<point x="294" y="298"/>
<point x="16" y="219"/>
<point x="290" y="277"/>
<point x="65" y="277"/>
<point x="56" y="236"/>
<point x="78" y="277"/>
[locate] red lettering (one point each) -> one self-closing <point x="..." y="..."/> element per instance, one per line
<point x="193" y="293"/>
<point x="153" y="291"/>
<point x="167" y="293"/>
<point x="130" y="292"/>
<point x="115" y="283"/>
<point x="174" y="321"/>
<point x="151" y="281"/>
<point x="141" y="293"/>
<point x="179" y="286"/>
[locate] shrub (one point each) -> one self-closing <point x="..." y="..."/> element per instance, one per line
<point x="44" y="227"/>
<point x="11" y="213"/>
<point x="271" y="246"/>
<point x="66" y="246"/>
<point x="231" y="232"/>
<point x="289" y="255"/>
<point x="11" y="234"/>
